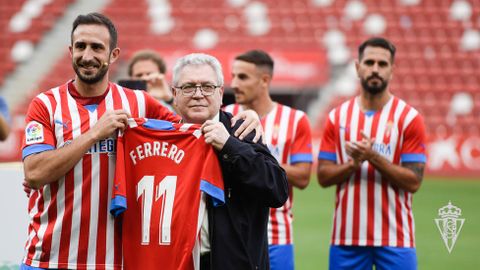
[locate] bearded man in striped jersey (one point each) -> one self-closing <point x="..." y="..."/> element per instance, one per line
<point x="373" y="151"/>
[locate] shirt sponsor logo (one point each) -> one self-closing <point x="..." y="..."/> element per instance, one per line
<point x="34" y="133"/>
<point x="104" y="146"/>
<point x="383" y="149"/>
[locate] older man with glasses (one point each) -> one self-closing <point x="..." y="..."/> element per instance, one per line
<point x="234" y="235"/>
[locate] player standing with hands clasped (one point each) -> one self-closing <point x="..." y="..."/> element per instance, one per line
<point x="373" y="150"/>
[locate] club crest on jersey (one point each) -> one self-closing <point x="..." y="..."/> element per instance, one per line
<point x="34" y="133"/>
<point x="274" y="150"/>
<point x="276" y="129"/>
<point x="108" y="146"/>
<point x="388" y="128"/>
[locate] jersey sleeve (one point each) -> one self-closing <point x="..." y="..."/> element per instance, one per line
<point x="414" y="139"/>
<point x="301" y="150"/>
<point x="327" y="145"/>
<point x="119" y="192"/>
<point x="156" y="110"/>
<point x="211" y="181"/>
<point x="39" y="133"/>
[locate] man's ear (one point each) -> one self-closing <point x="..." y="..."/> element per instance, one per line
<point x="174" y="93"/>
<point x="114" y="54"/>
<point x="221" y="91"/>
<point x="266" y="79"/>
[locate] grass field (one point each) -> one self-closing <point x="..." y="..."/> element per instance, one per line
<point x="313" y="212"/>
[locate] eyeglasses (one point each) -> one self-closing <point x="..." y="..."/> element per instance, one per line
<point x="189" y="90"/>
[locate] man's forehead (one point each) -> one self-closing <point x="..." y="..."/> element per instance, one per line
<point x="145" y="65"/>
<point x="198" y="74"/>
<point x="243" y="66"/>
<point x="376" y="52"/>
<point x="86" y="32"/>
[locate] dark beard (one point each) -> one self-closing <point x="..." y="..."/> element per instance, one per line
<point x="374" y="89"/>
<point x="90" y="79"/>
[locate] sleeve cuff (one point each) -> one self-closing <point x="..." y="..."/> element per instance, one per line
<point x="118" y="205"/>
<point x="35" y="149"/>
<point x="328" y="156"/>
<point x="301" y="157"/>
<point x="413" y="158"/>
<point x="218" y="197"/>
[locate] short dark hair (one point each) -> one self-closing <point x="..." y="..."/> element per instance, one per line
<point x="259" y="58"/>
<point x="99" y="19"/>
<point x="377" y="42"/>
<point x="147" y="55"/>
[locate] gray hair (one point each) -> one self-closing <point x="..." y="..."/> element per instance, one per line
<point x="197" y="59"/>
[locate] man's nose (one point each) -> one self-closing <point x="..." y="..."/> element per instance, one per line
<point x="198" y="92"/>
<point x="88" y="54"/>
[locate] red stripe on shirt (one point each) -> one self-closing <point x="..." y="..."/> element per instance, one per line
<point x="357" y="183"/>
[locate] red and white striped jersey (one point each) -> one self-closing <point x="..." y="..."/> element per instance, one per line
<point x="369" y="211"/>
<point x="288" y="136"/>
<point x="70" y="225"/>
<point x="162" y="171"/>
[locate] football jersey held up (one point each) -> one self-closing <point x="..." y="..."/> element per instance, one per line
<point x="162" y="170"/>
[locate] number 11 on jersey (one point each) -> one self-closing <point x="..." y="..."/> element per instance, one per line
<point x="165" y="190"/>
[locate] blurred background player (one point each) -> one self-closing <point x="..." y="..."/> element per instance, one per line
<point x="4" y="120"/>
<point x="148" y="65"/>
<point x="234" y="236"/>
<point x="373" y="150"/>
<point x="288" y="136"/>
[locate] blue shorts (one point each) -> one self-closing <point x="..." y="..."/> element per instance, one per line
<point x="364" y="258"/>
<point x="281" y="257"/>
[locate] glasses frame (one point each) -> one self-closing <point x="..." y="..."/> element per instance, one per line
<point x="197" y="86"/>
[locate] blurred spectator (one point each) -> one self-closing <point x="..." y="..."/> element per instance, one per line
<point x="148" y="65"/>
<point x="461" y="104"/>
<point x="460" y="10"/>
<point x="4" y="120"/>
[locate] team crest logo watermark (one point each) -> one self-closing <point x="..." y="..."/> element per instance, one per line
<point x="449" y="224"/>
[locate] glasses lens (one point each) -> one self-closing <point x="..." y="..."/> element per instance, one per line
<point x="191" y="89"/>
<point x="208" y="89"/>
<point x="188" y="89"/>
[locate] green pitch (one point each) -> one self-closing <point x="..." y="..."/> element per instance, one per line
<point x="313" y="211"/>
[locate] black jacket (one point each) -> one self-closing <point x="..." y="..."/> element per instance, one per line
<point x="254" y="182"/>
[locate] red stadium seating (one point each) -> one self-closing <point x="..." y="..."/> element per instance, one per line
<point x="430" y="64"/>
<point x="39" y="26"/>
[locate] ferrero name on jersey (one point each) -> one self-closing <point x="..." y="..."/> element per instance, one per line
<point x="157" y="148"/>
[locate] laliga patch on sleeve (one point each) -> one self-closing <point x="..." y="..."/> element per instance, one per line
<point x="34" y="133"/>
